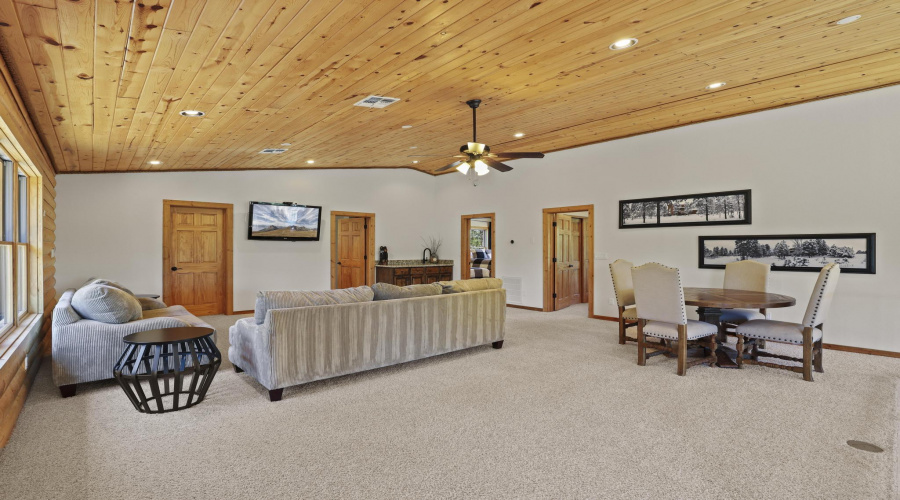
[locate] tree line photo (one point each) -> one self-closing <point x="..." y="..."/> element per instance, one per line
<point x="853" y="252"/>
<point x="728" y="207"/>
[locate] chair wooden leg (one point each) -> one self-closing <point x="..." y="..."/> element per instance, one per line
<point x="642" y="354"/>
<point x="238" y="369"/>
<point x="275" y="394"/>
<point x="67" y="391"/>
<point x="740" y="351"/>
<point x="713" y="359"/>
<point x="817" y="359"/>
<point x="621" y="329"/>
<point x="682" y="349"/>
<point x="807" y="354"/>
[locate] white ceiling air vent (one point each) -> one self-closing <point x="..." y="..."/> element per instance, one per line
<point x="272" y="151"/>
<point x="376" y="101"/>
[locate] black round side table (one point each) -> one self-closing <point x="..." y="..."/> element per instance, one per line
<point x="168" y="369"/>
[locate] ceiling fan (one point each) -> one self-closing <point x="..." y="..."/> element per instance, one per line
<point x="478" y="157"/>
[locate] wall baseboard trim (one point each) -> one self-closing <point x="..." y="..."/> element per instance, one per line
<point x="861" y="350"/>
<point x="528" y="308"/>
<point x="605" y="318"/>
<point x="235" y="313"/>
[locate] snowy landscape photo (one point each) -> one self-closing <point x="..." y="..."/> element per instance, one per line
<point x="284" y="221"/>
<point x="729" y="207"/>
<point x="855" y="253"/>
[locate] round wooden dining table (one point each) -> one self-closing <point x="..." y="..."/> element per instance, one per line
<point x="711" y="301"/>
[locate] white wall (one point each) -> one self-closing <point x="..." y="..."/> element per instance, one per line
<point x="111" y="224"/>
<point x="824" y="167"/>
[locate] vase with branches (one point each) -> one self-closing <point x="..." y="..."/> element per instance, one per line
<point x="433" y="244"/>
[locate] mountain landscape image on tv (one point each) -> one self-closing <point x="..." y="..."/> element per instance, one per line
<point x="284" y="221"/>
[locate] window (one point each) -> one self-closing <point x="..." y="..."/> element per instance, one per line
<point x="14" y="245"/>
<point x="477" y="238"/>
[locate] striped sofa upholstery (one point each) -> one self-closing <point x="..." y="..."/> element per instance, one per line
<point x="86" y="350"/>
<point x="299" y="345"/>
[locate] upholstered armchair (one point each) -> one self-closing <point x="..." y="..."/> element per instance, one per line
<point x="661" y="313"/>
<point x="743" y="275"/>
<point x="624" y="290"/>
<point x="807" y="334"/>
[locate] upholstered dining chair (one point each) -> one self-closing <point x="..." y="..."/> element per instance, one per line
<point x="743" y="275"/>
<point x="624" y="290"/>
<point x="661" y="313"/>
<point x="808" y="334"/>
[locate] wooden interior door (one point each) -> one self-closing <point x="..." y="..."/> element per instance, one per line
<point x="351" y="263"/>
<point x="567" y="254"/>
<point x="196" y="277"/>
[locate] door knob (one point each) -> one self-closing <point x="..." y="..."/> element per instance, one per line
<point x="339" y="263"/>
<point x="571" y="265"/>
<point x="175" y="268"/>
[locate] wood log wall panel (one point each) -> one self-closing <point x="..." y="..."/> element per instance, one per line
<point x="20" y="139"/>
<point x="104" y="81"/>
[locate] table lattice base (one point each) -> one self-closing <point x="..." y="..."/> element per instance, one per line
<point x="160" y="378"/>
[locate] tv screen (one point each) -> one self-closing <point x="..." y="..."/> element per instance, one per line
<point x="284" y="221"/>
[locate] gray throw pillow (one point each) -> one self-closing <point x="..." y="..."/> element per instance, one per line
<point x="387" y="291"/>
<point x="106" y="304"/>
<point x="101" y="281"/>
<point x="289" y="299"/>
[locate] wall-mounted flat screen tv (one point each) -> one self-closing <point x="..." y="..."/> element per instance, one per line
<point x="284" y="221"/>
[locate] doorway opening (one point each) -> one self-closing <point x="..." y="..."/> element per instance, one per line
<point x="568" y="264"/>
<point x="197" y="256"/>
<point x="352" y="249"/>
<point x="478" y="258"/>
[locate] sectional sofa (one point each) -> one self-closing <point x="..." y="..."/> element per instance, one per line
<point x="299" y="337"/>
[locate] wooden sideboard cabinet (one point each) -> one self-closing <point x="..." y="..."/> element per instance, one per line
<point x="413" y="275"/>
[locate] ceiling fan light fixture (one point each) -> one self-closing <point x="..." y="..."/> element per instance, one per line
<point x="481" y="167"/>
<point x="623" y="44"/>
<point x="476" y="148"/>
<point x="463" y="168"/>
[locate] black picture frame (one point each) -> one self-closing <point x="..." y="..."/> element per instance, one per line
<point x="746" y="210"/>
<point x="811" y="260"/>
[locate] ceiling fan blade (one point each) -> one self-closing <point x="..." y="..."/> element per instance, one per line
<point x="437" y="156"/>
<point x="502" y="167"/>
<point x="449" y="167"/>
<point x="519" y="155"/>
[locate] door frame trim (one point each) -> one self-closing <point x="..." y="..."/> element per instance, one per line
<point x="228" y="236"/>
<point x="464" y="244"/>
<point x="547" y="239"/>
<point x="370" y="245"/>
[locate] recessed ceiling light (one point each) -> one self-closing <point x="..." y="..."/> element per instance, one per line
<point x="415" y="161"/>
<point x="406" y="126"/>
<point x="310" y="161"/>
<point x="285" y="144"/>
<point x="848" y="20"/>
<point x="414" y="147"/>
<point x="518" y="134"/>
<point x="717" y="85"/>
<point x="623" y="44"/>
<point x="191" y="112"/>
<point x="155" y="162"/>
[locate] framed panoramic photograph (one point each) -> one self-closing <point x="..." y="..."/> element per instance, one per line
<point x="855" y="252"/>
<point x="705" y="209"/>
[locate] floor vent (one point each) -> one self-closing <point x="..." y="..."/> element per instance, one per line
<point x="376" y="101"/>
<point x="513" y="288"/>
<point x="272" y="151"/>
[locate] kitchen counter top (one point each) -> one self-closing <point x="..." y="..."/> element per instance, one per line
<point x="415" y="263"/>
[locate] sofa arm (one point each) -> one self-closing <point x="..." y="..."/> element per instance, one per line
<point x="87" y="350"/>
<point x="148" y="304"/>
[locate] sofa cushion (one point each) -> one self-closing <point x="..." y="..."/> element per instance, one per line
<point x="101" y="281"/>
<point x="149" y="304"/>
<point x="290" y="299"/>
<point x="460" y="286"/>
<point x="387" y="291"/>
<point x="177" y="312"/>
<point x="106" y="304"/>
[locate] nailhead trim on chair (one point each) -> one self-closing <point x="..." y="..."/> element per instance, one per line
<point x="815" y="313"/>
<point x="776" y="339"/>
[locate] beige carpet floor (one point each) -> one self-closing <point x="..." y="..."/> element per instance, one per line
<point x="562" y="411"/>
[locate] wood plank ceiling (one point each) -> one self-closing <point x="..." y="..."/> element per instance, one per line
<point x="104" y="80"/>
